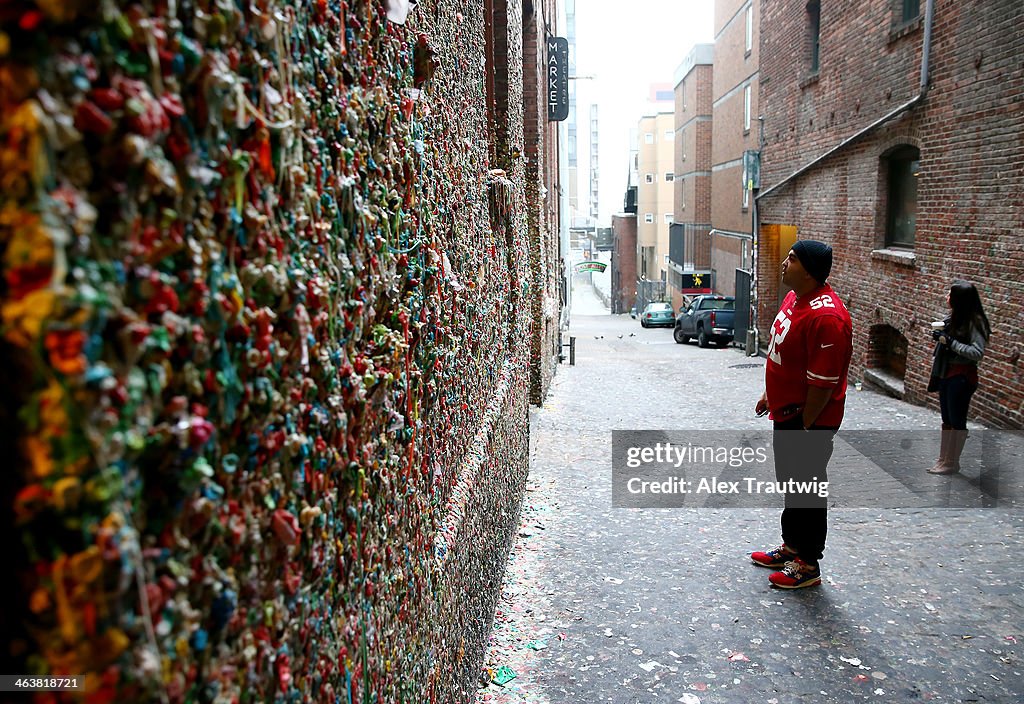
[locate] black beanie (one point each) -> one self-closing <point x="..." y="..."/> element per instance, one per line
<point x="816" y="258"/>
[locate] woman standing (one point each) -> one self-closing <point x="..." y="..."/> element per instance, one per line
<point x="960" y="345"/>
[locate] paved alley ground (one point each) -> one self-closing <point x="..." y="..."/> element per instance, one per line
<point x="605" y="604"/>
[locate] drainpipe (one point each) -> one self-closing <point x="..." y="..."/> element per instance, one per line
<point x="926" y="47"/>
<point x="926" y="50"/>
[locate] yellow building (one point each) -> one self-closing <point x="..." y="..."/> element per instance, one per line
<point x="655" y="168"/>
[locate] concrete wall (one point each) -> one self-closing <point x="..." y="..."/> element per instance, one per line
<point x="265" y="349"/>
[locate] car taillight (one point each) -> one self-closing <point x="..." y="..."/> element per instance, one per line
<point x="648" y="315"/>
<point x="712" y="318"/>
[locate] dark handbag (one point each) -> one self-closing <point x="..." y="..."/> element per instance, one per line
<point x="938" y="368"/>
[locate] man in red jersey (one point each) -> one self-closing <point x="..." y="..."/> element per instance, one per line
<point x="811" y="342"/>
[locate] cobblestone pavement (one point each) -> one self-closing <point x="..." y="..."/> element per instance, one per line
<point x="606" y="604"/>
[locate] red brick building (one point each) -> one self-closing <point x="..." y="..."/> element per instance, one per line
<point x="735" y="130"/>
<point x="689" y="236"/>
<point x="623" y="262"/>
<point x="906" y="155"/>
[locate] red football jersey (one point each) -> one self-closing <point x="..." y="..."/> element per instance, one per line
<point x="811" y="345"/>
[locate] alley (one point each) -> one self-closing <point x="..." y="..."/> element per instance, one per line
<point x="286" y="413"/>
<point x="603" y="604"/>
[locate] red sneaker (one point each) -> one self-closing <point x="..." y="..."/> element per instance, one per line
<point x="776" y="557"/>
<point x="797" y="574"/>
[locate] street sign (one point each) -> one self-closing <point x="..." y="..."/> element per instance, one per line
<point x="558" y="79"/>
<point x="599" y="267"/>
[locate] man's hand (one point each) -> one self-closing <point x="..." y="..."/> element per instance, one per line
<point x="762" y="405"/>
<point x="817" y="398"/>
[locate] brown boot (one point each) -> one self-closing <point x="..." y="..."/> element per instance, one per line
<point x="945" y="465"/>
<point x="957" y="447"/>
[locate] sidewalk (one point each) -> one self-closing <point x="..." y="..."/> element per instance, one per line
<point x="603" y="604"/>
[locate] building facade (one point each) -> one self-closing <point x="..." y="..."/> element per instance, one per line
<point x="623" y="268"/>
<point x="594" y="162"/>
<point x="892" y="131"/>
<point x="735" y="130"/>
<point x="690" y="233"/>
<point x="541" y="149"/>
<point x="572" y="147"/>
<point x="655" y="193"/>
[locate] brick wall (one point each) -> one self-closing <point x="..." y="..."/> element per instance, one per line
<point x="970" y="204"/>
<point x="624" y="258"/>
<point x="735" y="70"/>
<point x="693" y="146"/>
<point x="733" y="64"/>
<point x="540" y="148"/>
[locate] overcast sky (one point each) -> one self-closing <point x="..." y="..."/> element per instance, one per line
<point x="627" y="46"/>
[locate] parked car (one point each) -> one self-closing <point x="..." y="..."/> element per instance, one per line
<point x="708" y="318"/>
<point x="656" y="314"/>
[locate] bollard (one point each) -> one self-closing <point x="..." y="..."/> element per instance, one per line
<point x="572" y="351"/>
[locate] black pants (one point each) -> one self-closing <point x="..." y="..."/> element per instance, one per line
<point x="803" y="456"/>
<point x="954" y="399"/>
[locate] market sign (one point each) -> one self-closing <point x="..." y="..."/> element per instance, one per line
<point x="558" y="79"/>
<point x="583" y="267"/>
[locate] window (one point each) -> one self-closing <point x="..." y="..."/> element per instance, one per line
<point x="814" y="31"/>
<point x="717" y="304"/>
<point x="669" y="176"/>
<point x="902" y="167"/>
<point x="649" y="138"/>
<point x="649" y="218"/>
<point x="648" y="178"/>
<point x="668" y="218"/>
<point x="746" y="109"/>
<point x="911" y="9"/>
<point x="750" y="28"/>
<point x="669" y="135"/>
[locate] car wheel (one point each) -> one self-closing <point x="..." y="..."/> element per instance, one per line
<point x="643" y="323"/>
<point x="679" y="337"/>
<point x="702" y="338"/>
